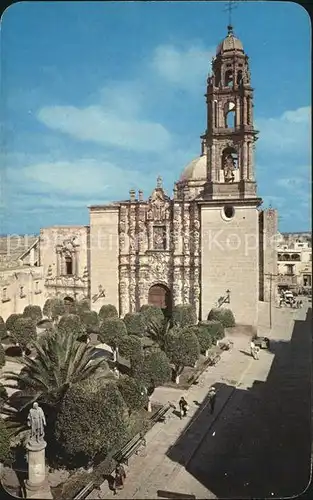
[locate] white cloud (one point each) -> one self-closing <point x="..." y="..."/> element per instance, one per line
<point x="86" y="179"/>
<point x="184" y="68"/>
<point x="103" y="126"/>
<point x="288" y="134"/>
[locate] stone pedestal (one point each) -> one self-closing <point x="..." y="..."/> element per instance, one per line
<point x="36" y="485"/>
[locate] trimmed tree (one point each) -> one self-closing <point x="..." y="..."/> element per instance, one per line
<point x="184" y="315"/>
<point x="90" y="320"/>
<point x="133" y="392"/>
<point x="156" y="325"/>
<point x="215" y="329"/>
<point x="2" y="356"/>
<point x="33" y="312"/>
<point x="93" y="419"/>
<point x="135" y="324"/>
<point x="107" y="311"/>
<point x="204" y="338"/>
<point x="54" y="308"/>
<point x="225" y="316"/>
<point x="70" y="324"/>
<point x="129" y="346"/>
<point x="24" y="332"/>
<point x="5" y="452"/>
<point x="83" y="305"/>
<point x="182" y="348"/>
<point x="3" y="329"/>
<point x="111" y="331"/>
<point x="11" y="321"/>
<point x="151" y="369"/>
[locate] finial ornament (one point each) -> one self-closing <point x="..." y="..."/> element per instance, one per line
<point x="232" y="4"/>
<point x="159" y="182"/>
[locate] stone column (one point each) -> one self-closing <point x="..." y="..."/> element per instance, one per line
<point x="186" y="261"/>
<point x="37" y="484"/>
<point x="132" y="258"/>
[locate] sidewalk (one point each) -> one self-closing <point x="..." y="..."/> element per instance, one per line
<point x="152" y="469"/>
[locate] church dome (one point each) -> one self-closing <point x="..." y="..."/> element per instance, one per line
<point x="229" y="43"/>
<point x="195" y="170"/>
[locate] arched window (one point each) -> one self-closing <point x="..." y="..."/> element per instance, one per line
<point x="239" y="77"/>
<point x="68" y="265"/>
<point x="230" y="114"/>
<point x="229" y="78"/>
<point x="229" y="163"/>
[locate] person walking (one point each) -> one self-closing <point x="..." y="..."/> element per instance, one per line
<point x="212" y="398"/>
<point x="120" y="476"/>
<point x="254" y="350"/>
<point x="183" y="407"/>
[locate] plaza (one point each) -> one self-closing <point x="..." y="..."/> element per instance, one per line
<point x="262" y="421"/>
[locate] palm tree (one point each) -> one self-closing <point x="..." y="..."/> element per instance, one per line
<point x="60" y="361"/>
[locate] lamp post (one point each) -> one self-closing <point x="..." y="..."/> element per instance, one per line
<point x="271" y="276"/>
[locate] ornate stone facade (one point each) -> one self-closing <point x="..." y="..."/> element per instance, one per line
<point x="163" y="248"/>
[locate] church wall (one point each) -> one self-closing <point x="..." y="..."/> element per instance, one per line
<point x="20" y="288"/>
<point x="104" y="252"/>
<point x="54" y="241"/>
<point x="268" y="222"/>
<point x="229" y="261"/>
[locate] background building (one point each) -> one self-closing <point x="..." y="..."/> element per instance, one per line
<point x="294" y="257"/>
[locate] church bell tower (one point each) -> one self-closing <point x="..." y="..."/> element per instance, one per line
<point x="230" y="135"/>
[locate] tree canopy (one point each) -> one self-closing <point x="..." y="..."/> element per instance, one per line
<point x="33" y="312"/>
<point x="182" y="347"/>
<point x="93" y="419"/>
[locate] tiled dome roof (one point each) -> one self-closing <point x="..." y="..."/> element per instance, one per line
<point x="195" y="170"/>
<point x="229" y="43"/>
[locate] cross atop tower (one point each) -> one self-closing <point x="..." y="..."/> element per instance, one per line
<point x="232" y="4"/>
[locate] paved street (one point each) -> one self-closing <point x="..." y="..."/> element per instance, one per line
<point x="257" y="444"/>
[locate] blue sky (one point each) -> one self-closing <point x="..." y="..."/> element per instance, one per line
<point x="98" y="98"/>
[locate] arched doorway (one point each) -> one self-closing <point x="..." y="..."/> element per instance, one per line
<point x="160" y="296"/>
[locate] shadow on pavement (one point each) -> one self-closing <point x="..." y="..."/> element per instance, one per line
<point x="259" y="446"/>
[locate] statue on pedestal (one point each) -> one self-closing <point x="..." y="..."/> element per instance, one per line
<point x="36" y="421"/>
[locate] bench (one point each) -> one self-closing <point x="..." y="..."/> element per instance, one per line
<point x="194" y="379"/>
<point x="131" y="448"/>
<point x="161" y="414"/>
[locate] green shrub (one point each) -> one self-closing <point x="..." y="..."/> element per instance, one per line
<point x="129" y="346"/>
<point x="152" y="315"/>
<point x="225" y="316"/>
<point x="133" y="393"/>
<point x="5" y="452"/>
<point x="152" y="368"/>
<point x="11" y="320"/>
<point x="135" y="324"/>
<point x="3" y="329"/>
<point x="83" y="305"/>
<point x="215" y="329"/>
<point x="182" y="348"/>
<point x="90" y="320"/>
<point x="70" y="324"/>
<point x="111" y="331"/>
<point x="24" y="331"/>
<point x="203" y="335"/>
<point x="156" y="325"/>
<point x="2" y="356"/>
<point x="33" y="312"/>
<point x="54" y="308"/>
<point x="184" y="315"/>
<point x="93" y="419"/>
<point x="107" y="311"/>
